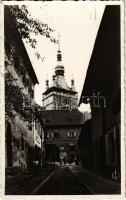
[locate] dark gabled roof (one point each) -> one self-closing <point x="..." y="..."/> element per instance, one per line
<point x="103" y="74"/>
<point x="60" y="81"/>
<point x="58" y="89"/>
<point x="29" y="66"/>
<point x="62" y="117"/>
<point x="11" y="31"/>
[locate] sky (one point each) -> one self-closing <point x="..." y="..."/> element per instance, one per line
<point x="77" y="23"/>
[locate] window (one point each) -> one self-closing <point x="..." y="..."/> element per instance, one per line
<point x="37" y="126"/>
<point x="32" y="94"/>
<point x="71" y="134"/>
<point x="29" y="86"/>
<point x="55" y="134"/>
<point x="59" y="99"/>
<point x="27" y="82"/>
<point x="110" y="147"/>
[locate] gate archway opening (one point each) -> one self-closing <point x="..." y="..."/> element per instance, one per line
<point x="52" y="152"/>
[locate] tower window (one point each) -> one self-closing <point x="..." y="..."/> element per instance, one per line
<point x="71" y="134"/>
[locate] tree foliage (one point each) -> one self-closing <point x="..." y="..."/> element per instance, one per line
<point x="18" y="102"/>
<point x="26" y="25"/>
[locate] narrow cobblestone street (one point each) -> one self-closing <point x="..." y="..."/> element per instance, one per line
<point x="25" y="183"/>
<point x="62" y="182"/>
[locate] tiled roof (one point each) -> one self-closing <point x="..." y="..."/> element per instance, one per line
<point x="62" y="117"/>
<point x="61" y="82"/>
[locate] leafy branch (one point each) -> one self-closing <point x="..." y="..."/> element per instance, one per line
<point x="16" y="100"/>
<point x="26" y="25"/>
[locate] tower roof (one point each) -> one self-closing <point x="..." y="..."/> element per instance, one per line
<point x="58" y="89"/>
<point x="59" y="81"/>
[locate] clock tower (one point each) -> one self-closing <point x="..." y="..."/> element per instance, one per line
<point x="59" y="96"/>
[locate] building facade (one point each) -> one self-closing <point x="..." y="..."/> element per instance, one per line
<point x="59" y="96"/>
<point x="63" y="120"/>
<point x="63" y="129"/>
<point x="20" y="80"/>
<point x="99" y="140"/>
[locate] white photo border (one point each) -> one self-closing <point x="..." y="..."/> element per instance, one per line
<point x="2" y="109"/>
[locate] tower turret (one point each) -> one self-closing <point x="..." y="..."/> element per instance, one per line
<point x="47" y="84"/>
<point x="72" y="83"/>
<point x="54" y="80"/>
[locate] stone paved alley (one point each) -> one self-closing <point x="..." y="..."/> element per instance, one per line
<point x="55" y="181"/>
<point x="62" y="182"/>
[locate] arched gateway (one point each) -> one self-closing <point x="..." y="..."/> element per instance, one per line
<point x="52" y="152"/>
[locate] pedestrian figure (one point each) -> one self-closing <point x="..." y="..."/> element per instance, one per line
<point x="70" y="160"/>
<point x="60" y="161"/>
<point x="64" y="160"/>
<point x="76" y="161"/>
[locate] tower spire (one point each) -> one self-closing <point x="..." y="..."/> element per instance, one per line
<point x="59" y="42"/>
<point x="59" y="55"/>
<point x="59" y="69"/>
